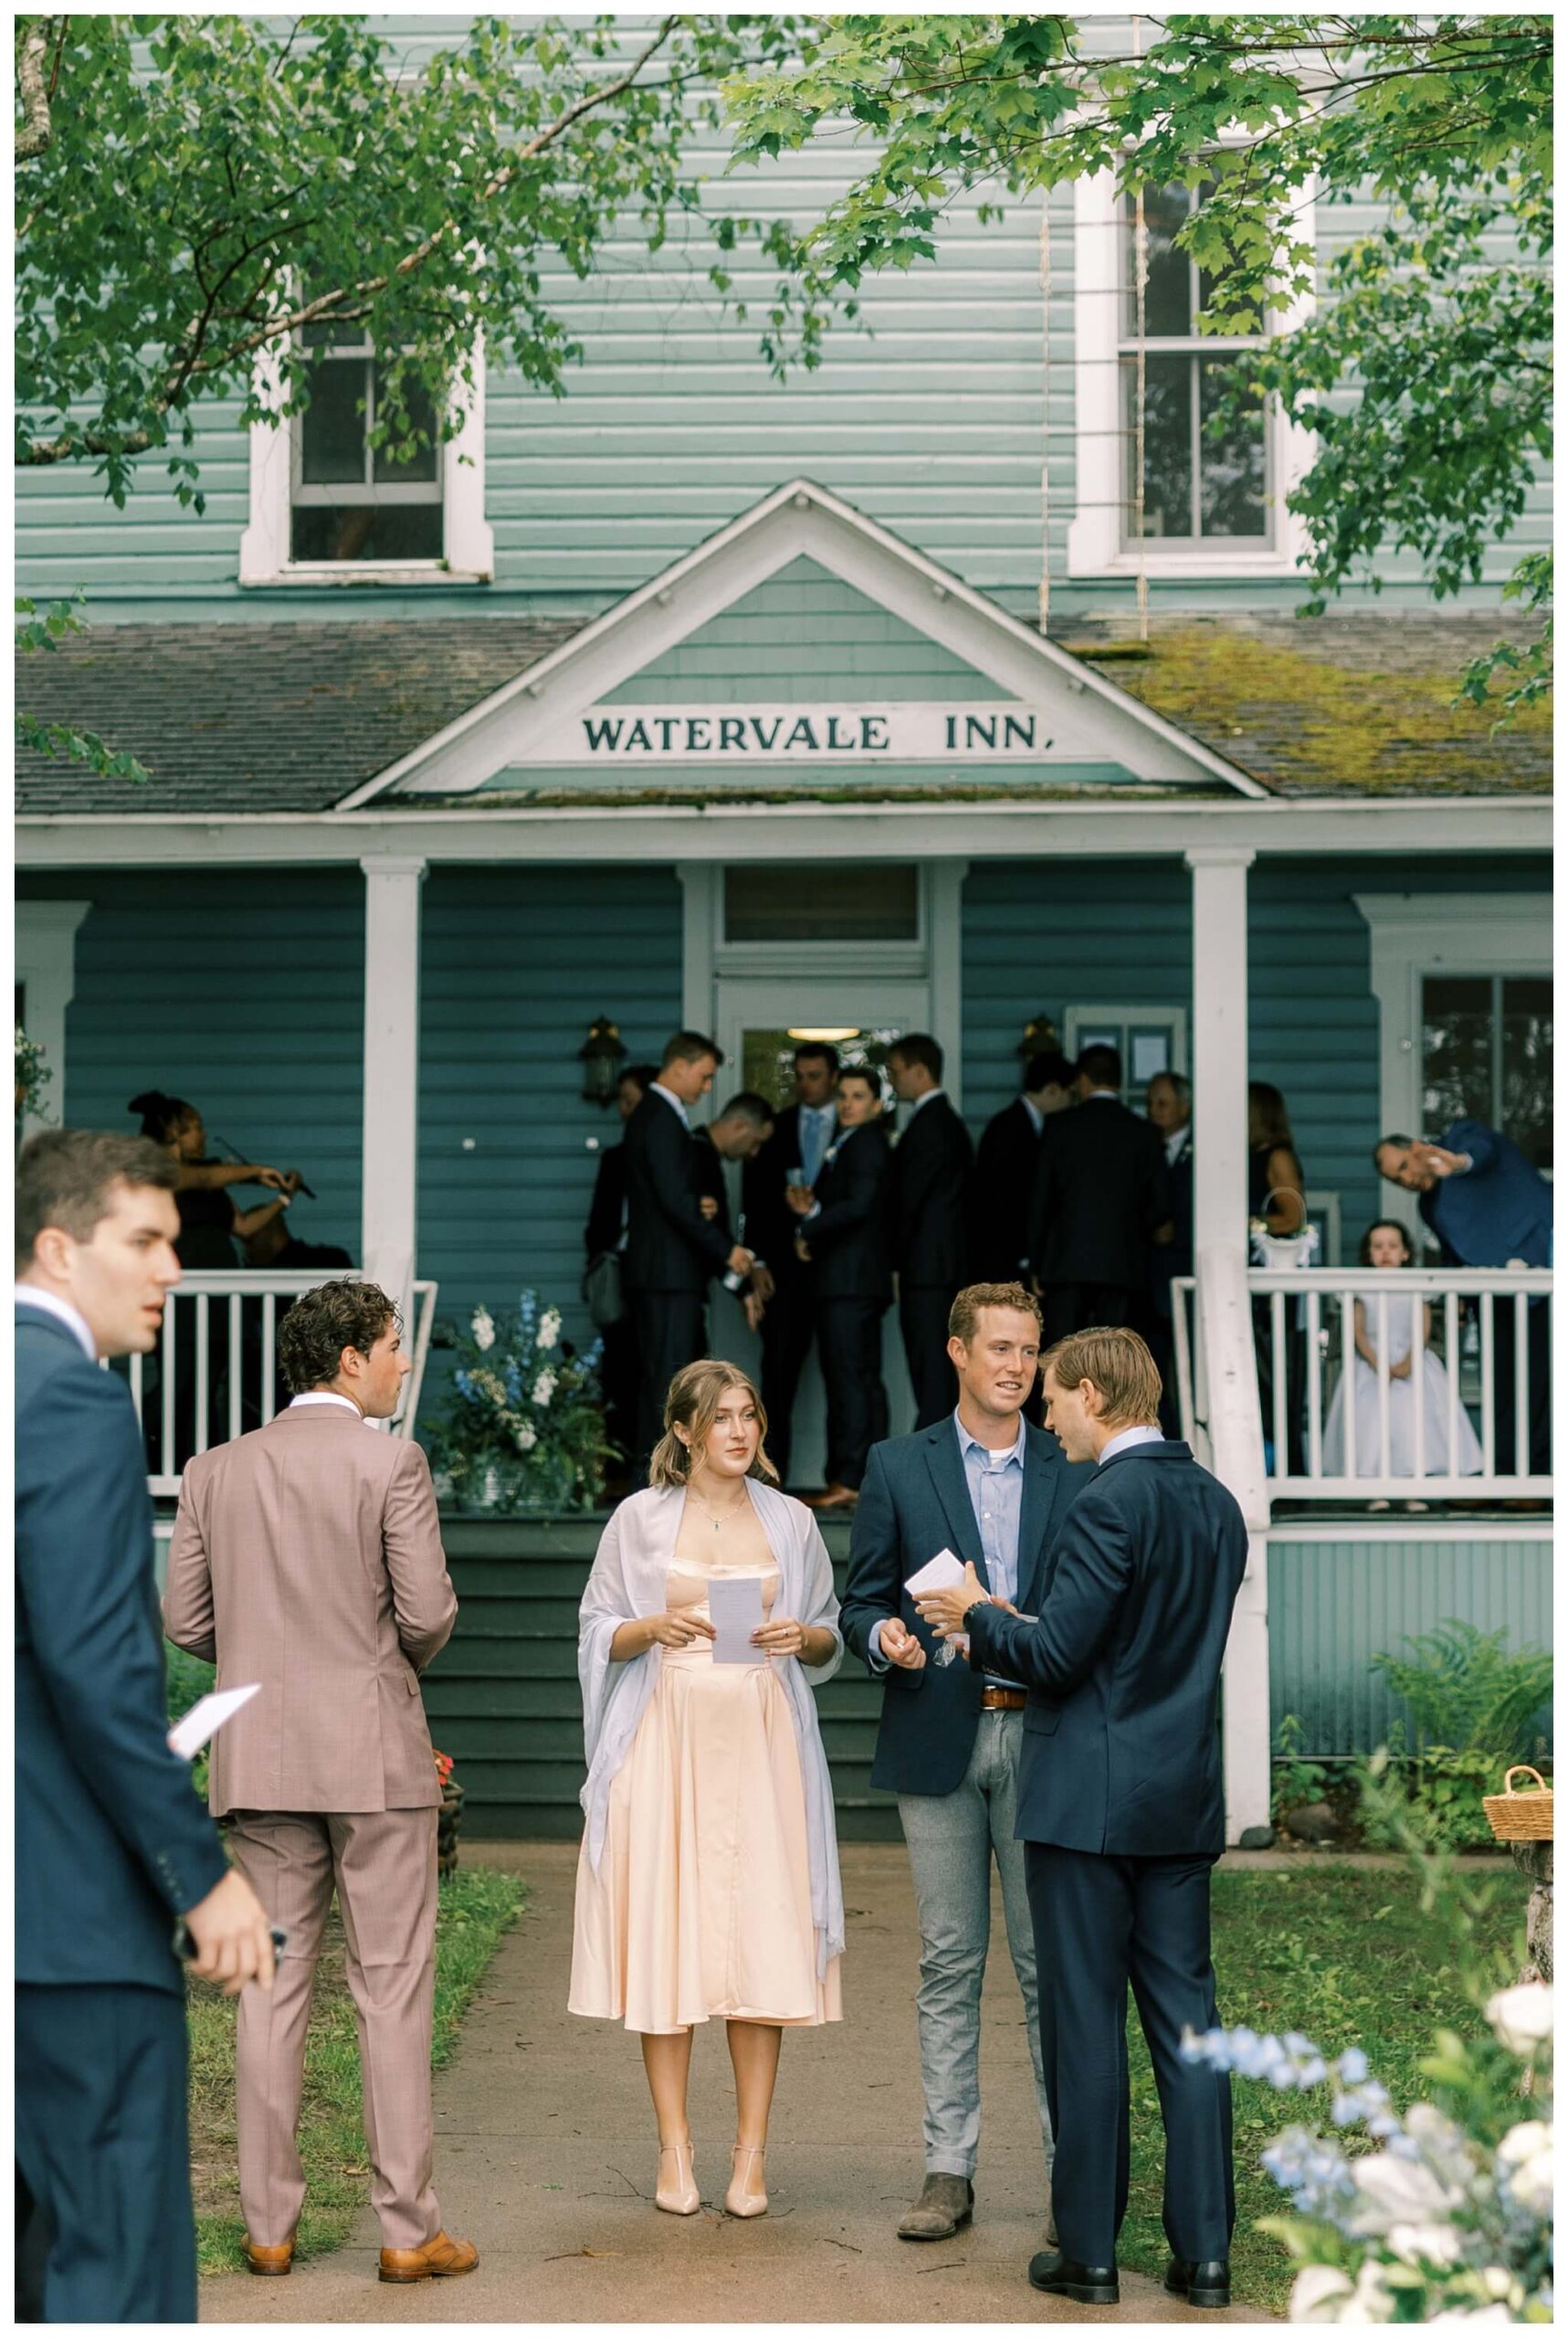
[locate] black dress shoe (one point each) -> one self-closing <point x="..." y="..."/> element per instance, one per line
<point x="1207" y="2283"/>
<point x="1063" y="2277"/>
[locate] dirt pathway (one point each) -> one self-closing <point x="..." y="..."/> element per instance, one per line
<point x="545" y="2157"/>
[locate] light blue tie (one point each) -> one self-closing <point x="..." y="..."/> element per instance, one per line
<point x="813" y="1131"/>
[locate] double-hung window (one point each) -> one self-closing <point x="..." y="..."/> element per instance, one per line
<point x="1203" y="481"/>
<point x="350" y="500"/>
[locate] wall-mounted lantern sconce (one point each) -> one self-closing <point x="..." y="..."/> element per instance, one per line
<point x="601" y="1054"/>
<point x="1039" y="1038"/>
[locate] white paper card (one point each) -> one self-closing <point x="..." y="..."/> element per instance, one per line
<point x="937" y="1574"/>
<point x="735" y="1603"/>
<point x="206" y="1716"/>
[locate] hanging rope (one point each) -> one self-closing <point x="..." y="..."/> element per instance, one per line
<point x="1139" y="298"/>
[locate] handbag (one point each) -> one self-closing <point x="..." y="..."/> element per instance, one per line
<point x="603" y="1292"/>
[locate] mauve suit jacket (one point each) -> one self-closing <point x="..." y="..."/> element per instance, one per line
<point x="308" y="1556"/>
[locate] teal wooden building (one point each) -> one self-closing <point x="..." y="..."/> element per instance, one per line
<point x="756" y="707"/>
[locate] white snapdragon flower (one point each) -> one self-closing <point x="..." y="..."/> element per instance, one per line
<point x="1425" y="2244"/>
<point x="1525" y="2159"/>
<point x="1319" y="2293"/>
<point x="549" y="1329"/>
<point x="483" y="1329"/>
<point x="526" y="1436"/>
<point x="1521" y="2016"/>
<point x="1396" y="2191"/>
<point x="544" y="1388"/>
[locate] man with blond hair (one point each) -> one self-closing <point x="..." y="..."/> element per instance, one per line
<point x="1121" y="1809"/>
<point x="984" y="1485"/>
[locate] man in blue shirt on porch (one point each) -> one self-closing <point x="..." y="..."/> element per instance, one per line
<point x="1488" y="1207"/>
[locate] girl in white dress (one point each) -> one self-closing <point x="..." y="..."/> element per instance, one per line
<point x="1407" y="1321"/>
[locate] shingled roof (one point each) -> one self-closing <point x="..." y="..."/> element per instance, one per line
<point x="1357" y="702"/>
<point x="288" y="716"/>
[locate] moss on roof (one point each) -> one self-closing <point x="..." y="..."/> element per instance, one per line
<point x="1359" y="705"/>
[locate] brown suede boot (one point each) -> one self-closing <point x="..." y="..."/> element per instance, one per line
<point x="945" y="2203"/>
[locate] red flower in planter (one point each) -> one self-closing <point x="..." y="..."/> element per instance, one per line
<point x="444" y="1767"/>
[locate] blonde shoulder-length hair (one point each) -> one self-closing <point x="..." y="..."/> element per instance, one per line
<point x="692" y="1404"/>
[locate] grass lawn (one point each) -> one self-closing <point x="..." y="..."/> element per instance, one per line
<point x="478" y="1905"/>
<point x="1345" y="1955"/>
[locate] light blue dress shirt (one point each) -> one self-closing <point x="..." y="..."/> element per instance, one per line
<point x="818" y="1126"/>
<point x="1127" y="1438"/>
<point x="996" y="1497"/>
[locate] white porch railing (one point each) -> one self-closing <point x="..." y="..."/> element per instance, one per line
<point x="213" y="1373"/>
<point x="1306" y="1322"/>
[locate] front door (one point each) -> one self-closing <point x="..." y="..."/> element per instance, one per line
<point x="759" y="1025"/>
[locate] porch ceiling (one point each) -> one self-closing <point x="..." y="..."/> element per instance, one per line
<point x="288" y="716"/>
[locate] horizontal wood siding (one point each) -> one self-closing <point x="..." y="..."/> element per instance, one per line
<point x="516" y="962"/>
<point x="1334" y="1605"/>
<point x="243" y="991"/>
<point x="503" y="1700"/>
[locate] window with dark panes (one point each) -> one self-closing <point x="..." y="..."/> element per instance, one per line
<point x="1486" y="1055"/>
<point x="352" y="501"/>
<point x="1205" y="478"/>
<point x="842" y="901"/>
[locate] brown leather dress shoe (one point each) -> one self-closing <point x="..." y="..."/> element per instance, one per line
<point x="439" y="2260"/>
<point x="268" y="2258"/>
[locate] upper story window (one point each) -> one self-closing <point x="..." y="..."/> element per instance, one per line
<point x="1202" y="482"/>
<point x="350" y="501"/>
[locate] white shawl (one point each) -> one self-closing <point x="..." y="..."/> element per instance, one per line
<point x="629" y="1578"/>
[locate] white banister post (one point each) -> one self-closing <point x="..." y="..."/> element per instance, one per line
<point x="390" y="1170"/>
<point x="1219" y="1252"/>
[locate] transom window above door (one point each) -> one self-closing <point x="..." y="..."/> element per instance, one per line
<point x="810" y="902"/>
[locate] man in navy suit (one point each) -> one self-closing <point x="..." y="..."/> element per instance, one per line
<point x="112" y="1847"/>
<point x="984" y="1484"/>
<point x="1121" y="1809"/>
<point x="928" y="1218"/>
<point x="1488" y="1207"/>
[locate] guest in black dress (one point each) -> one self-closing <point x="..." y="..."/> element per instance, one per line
<point x="1277" y="1193"/>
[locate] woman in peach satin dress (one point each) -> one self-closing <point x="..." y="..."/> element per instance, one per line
<point x="708" y="1882"/>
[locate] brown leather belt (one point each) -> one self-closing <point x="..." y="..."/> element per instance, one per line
<point x="1002" y="1701"/>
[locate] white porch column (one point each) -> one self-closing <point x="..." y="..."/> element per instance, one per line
<point x="1224" y="1325"/>
<point x="390" y="1188"/>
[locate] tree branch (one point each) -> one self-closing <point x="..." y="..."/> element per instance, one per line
<point x="36" y="131"/>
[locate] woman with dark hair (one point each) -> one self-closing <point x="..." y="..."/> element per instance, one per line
<point x="1277" y="1199"/>
<point x="708" y="1881"/>
<point x="210" y="1220"/>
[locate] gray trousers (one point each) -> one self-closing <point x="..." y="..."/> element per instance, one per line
<point x="952" y="1840"/>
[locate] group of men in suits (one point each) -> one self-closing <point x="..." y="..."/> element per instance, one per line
<point x="1086" y="1201"/>
<point x="306" y="1562"/>
<point x="1078" y="1748"/>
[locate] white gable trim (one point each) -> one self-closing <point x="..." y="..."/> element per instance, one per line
<point x="799" y="520"/>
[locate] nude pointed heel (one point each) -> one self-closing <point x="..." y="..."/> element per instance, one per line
<point x="741" y="2203"/>
<point x="678" y="2195"/>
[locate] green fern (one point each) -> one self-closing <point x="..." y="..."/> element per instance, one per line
<point x="1464" y="1690"/>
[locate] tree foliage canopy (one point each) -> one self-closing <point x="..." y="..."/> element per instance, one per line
<point x="1425" y="370"/>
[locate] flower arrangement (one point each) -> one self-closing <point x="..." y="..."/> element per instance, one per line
<point x="1448" y="2218"/>
<point x="444" y="1767"/>
<point x="33" y="1076"/>
<point x="525" y="1429"/>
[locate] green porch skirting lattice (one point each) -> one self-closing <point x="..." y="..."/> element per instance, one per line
<point x="502" y="1696"/>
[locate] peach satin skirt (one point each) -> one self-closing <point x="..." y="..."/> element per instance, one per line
<point x="702" y="1907"/>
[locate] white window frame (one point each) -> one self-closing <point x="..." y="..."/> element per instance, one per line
<point x="1415" y="934"/>
<point x="46" y="966"/>
<point x="1094" y="535"/>
<point x="469" y="556"/>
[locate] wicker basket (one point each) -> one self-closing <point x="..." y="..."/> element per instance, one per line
<point x="1520" y="1818"/>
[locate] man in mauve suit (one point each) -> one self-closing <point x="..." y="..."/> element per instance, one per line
<point x="928" y="1212"/>
<point x="802" y="1134"/>
<point x="673" y="1252"/>
<point x="307" y="1556"/>
<point x="112" y="1848"/>
<point x="1102" y="1199"/>
<point x="1121" y="1809"/>
<point x="984" y="1485"/>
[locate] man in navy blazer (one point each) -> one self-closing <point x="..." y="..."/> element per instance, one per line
<point x="1121" y="1808"/>
<point x="1488" y="1207"/>
<point x="984" y="1485"/>
<point x="112" y="1847"/>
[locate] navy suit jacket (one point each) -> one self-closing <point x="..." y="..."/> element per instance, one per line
<point x="111" y="1843"/>
<point x="670" y="1246"/>
<point x="1499" y="1209"/>
<point x="1121" y="1734"/>
<point x="914" y="1502"/>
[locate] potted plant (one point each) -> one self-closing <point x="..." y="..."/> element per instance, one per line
<point x="523" y="1434"/>
<point x="448" y="1826"/>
